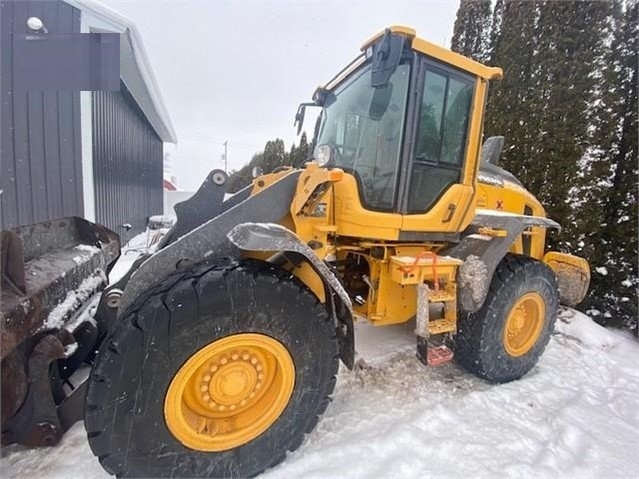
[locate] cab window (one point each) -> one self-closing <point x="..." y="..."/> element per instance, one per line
<point x="365" y="127"/>
<point x="441" y="136"/>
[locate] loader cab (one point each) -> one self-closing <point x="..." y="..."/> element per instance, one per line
<point x="410" y="145"/>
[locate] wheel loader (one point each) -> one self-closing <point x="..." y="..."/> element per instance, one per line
<point x="218" y="351"/>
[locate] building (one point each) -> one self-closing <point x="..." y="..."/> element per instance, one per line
<point x="69" y="153"/>
<point x="169" y="185"/>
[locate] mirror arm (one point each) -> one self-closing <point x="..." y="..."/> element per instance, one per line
<point x="299" y="116"/>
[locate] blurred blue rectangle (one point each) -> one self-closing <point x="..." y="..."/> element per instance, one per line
<point x="66" y="62"/>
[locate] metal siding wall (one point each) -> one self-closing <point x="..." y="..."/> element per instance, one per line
<point x="40" y="153"/>
<point x="127" y="163"/>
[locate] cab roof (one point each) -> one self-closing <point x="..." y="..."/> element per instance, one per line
<point x="451" y="58"/>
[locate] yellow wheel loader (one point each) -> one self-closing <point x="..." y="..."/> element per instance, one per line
<point x="222" y="346"/>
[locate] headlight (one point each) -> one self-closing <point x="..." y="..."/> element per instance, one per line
<point x="324" y="155"/>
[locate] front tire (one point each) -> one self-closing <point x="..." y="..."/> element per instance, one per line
<point x="217" y="372"/>
<point x="504" y="339"/>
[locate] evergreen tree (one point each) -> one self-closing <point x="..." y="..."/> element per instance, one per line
<point x="300" y="154"/>
<point x="615" y="279"/>
<point x="566" y="71"/>
<point x="541" y="106"/>
<point x="241" y="178"/>
<point x="471" y="34"/>
<point x="273" y="157"/>
<point x="495" y="28"/>
<point x="514" y="100"/>
<point x="568" y="108"/>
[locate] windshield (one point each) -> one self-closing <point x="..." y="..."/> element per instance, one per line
<point x="365" y="126"/>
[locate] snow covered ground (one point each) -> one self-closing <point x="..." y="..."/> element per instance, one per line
<point x="576" y="414"/>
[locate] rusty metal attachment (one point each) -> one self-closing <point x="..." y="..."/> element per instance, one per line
<point x="51" y="272"/>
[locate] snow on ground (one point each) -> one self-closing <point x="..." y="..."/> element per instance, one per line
<point x="575" y="415"/>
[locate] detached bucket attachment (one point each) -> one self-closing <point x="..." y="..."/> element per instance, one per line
<point x="49" y="271"/>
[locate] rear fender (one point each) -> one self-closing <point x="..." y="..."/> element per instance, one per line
<point x="265" y="237"/>
<point x="482" y="253"/>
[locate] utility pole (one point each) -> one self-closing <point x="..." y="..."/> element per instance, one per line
<point x="226" y="156"/>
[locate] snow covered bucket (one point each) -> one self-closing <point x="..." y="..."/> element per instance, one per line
<point x="41" y="263"/>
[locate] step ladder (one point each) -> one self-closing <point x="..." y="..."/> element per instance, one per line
<point x="434" y="278"/>
<point x="431" y="349"/>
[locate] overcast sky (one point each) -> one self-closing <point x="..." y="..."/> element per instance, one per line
<point x="236" y="71"/>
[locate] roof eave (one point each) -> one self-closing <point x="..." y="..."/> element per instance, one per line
<point x="127" y="27"/>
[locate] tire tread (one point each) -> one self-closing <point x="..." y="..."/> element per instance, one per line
<point x="96" y="409"/>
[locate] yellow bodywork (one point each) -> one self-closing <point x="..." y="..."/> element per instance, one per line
<point x="328" y="215"/>
<point x="446" y="56"/>
<point x="515" y="199"/>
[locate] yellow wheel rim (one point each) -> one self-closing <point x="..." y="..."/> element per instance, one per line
<point x="524" y="324"/>
<point x="229" y="392"/>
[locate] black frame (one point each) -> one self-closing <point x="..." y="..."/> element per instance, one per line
<point x="421" y="65"/>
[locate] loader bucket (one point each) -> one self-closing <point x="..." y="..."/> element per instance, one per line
<point x="49" y="270"/>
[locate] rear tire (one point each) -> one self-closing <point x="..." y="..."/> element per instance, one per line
<point x="488" y="343"/>
<point x="165" y="328"/>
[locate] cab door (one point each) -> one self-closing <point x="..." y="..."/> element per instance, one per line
<point x="438" y="190"/>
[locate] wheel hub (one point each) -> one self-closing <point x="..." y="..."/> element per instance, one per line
<point x="524" y="324"/>
<point x="229" y="392"/>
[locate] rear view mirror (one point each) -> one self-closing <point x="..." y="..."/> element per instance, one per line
<point x="491" y="150"/>
<point x="299" y="116"/>
<point x="380" y="101"/>
<point x="386" y="55"/>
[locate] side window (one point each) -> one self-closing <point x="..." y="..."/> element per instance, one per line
<point x="441" y="137"/>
